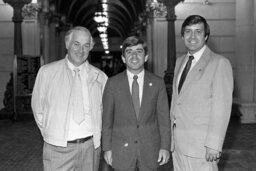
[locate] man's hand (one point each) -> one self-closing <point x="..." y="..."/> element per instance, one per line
<point x="163" y="157"/>
<point x="212" y="155"/>
<point x="108" y="157"/>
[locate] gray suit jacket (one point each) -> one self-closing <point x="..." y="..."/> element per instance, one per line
<point x="202" y="108"/>
<point x="123" y="132"/>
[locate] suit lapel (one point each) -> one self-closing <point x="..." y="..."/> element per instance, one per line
<point x="178" y="70"/>
<point x="196" y="70"/>
<point x="145" y="94"/>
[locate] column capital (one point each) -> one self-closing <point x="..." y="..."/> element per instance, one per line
<point x="170" y="6"/>
<point x="171" y="3"/>
<point x="17" y="8"/>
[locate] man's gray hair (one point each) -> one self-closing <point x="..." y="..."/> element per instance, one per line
<point x="69" y="34"/>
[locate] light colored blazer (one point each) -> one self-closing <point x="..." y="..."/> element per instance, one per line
<point x="202" y="109"/>
<point x="122" y="132"/>
<point x="50" y="101"/>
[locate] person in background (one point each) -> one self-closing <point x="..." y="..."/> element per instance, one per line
<point x="201" y="101"/>
<point x="67" y="107"/>
<point x="136" y="126"/>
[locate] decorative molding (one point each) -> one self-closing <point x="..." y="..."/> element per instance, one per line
<point x="156" y="8"/>
<point x="31" y="10"/>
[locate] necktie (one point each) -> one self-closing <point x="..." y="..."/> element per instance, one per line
<point x="185" y="72"/>
<point x="77" y="100"/>
<point x="135" y="95"/>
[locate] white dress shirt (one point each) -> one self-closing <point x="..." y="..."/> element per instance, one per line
<point x="83" y="130"/>
<point x="140" y="81"/>
<point x="197" y="56"/>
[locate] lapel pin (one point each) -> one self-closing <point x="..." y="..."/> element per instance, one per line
<point x="150" y="84"/>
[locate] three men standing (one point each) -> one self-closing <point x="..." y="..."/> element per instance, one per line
<point x="136" y="125"/>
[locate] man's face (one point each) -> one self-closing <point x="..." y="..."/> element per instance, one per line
<point x="79" y="47"/>
<point x="134" y="57"/>
<point x="194" y="37"/>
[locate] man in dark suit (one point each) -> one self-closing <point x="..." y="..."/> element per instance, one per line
<point x="201" y="101"/>
<point x="136" y="125"/>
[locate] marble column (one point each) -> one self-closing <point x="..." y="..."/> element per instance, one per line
<point x="17" y="19"/>
<point x="45" y="20"/>
<point x="171" y="46"/>
<point x="244" y="70"/>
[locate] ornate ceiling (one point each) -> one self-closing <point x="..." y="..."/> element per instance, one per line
<point x="122" y="14"/>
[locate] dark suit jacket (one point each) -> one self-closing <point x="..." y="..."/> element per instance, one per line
<point x="122" y="131"/>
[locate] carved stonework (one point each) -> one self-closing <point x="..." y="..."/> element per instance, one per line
<point x="156" y="9"/>
<point x="31" y="10"/>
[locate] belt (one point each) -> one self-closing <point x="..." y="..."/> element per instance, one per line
<point x="80" y="140"/>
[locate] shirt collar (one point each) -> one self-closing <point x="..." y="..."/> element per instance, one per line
<point x="140" y="75"/>
<point x="198" y="54"/>
<point x="72" y="66"/>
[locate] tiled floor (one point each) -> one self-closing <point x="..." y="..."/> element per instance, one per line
<point x="21" y="147"/>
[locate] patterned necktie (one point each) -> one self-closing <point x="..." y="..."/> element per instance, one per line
<point x="77" y="100"/>
<point x="185" y="72"/>
<point x="135" y="95"/>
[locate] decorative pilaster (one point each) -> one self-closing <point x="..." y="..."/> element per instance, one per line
<point x="171" y="50"/>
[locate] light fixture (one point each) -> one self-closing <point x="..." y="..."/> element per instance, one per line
<point x="103" y="35"/>
<point x="101" y="17"/>
<point x="102" y="28"/>
<point x="105" y="7"/>
<point x="206" y="2"/>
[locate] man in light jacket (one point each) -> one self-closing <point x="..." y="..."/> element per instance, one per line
<point x="67" y="106"/>
<point x="201" y="101"/>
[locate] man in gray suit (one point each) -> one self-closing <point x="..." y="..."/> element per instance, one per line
<point x="201" y="101"/>
<point x="136" y="125"/>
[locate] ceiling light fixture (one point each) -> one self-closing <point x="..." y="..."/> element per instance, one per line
<point x="101" y="17"/>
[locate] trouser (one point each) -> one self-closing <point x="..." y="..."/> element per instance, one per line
<point x="137" y="164"/>
<point x="186" y="163"/>
<point x="76" y="156"/>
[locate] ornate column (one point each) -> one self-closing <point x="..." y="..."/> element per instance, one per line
<point x="45" y="20"/>
<point x="171" y="50"/>
<point x="17" y="19"/>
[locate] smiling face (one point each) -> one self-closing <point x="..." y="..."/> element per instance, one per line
<point x="134" y="57"/>
<point x="194" y="37"/>
<point x="78" y="47"/>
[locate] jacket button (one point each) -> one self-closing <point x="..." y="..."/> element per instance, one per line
<point x="138" y="126"/>
<point x="135" y="141"/>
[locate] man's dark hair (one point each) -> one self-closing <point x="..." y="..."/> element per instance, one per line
<point x="196" y="19"/>
<point x="133" y="41"/>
